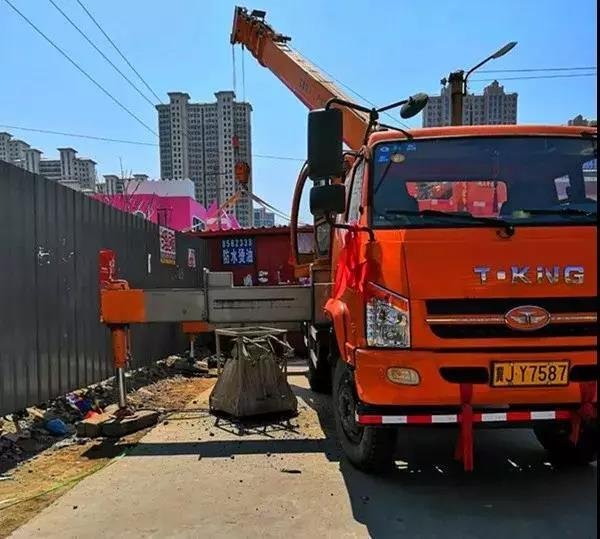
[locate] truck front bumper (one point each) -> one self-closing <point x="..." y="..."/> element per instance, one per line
<point x="436" y="393"/>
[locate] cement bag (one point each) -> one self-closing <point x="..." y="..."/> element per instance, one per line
<point x="252" y="384"/>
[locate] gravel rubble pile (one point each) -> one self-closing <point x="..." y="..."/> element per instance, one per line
<point x="27" y="432"/>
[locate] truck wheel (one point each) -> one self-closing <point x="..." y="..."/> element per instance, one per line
<point x="554" y="438"/>
<point x="370" y="449"/>
<point x="319" y="376"/>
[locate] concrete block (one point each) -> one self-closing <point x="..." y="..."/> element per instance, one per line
<point x="111" y="409"/>
<point x="92" y="427"/>
<point x="117" y="427"/>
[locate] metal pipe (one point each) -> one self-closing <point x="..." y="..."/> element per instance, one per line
<point x="192" y="352"/>
<point x="121" y="386"/>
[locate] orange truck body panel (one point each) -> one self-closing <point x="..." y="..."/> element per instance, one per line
<point x="373" y="386"/>
<point x="423" y="264"/>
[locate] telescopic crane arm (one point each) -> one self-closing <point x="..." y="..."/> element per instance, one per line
<point x="298" y="74"/>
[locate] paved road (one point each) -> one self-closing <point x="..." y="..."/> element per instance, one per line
<point x="194" y="478"/>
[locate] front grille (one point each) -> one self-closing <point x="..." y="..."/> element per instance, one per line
<point x="497" y="331"/>
<point x="484" y="318"/>
<point x="503" y="305"/>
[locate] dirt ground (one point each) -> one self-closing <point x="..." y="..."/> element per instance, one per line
<point x="37" y="483"/>
<point x="197" y="475"/>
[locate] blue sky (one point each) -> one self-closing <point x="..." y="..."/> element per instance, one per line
<point x="184" y="45"/>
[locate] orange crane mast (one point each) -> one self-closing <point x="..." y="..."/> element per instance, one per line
<point x="307" y="83"/>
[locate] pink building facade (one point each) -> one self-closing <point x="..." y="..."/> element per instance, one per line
<point x="181" y="213"/>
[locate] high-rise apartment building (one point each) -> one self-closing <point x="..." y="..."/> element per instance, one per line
<point x="494" y="106"/>
<point x="581" y="121"/>
<point x="203" y="142"/>
<point x="69" y="170"/>
<point x="19" y="153"/>
<point x="263" y="218"/>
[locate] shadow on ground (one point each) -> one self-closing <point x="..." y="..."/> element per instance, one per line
<point x="514" y="491"/>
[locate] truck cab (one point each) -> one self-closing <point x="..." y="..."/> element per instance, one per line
<point x="464" y="285"/>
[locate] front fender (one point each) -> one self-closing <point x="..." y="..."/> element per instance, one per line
<point x="339" y="314"/>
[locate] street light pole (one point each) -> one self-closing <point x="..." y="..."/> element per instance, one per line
<point x="458" y="84"/>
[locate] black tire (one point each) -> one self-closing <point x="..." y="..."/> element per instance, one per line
<point x="319" y="376"/>
<point x="370" y="449"/>
<point x="554" y="437"/>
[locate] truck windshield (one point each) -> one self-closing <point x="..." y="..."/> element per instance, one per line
<point x="520" y="180"/>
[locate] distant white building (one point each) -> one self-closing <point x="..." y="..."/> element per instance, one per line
<point x="581" y="121"/>
<point x="493" y="107"/>
<point x="70" y="170"/>
<point x="141" y="184"/>
<point x="19" y="153"/>
<point x="263" y="218"/>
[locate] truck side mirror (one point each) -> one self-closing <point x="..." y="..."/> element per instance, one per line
<point x="325" y="151"/>
<point x="326" y="199"/>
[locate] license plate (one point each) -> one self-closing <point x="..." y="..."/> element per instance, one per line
<point x="530" y="373"/>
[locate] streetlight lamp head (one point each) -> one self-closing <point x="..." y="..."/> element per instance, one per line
<point x="507" y="48"/>
<point x="415" y="104"/>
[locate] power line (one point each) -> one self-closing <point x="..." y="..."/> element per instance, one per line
<point x="530" y="70"/>
<point x="279" y="157"/>
<point x="135" y="142"/>
<point x="569" y="76"/>
<point x="118" y="50"/>
<point x="80" y="69"/>
<point x="104" y="139"/>
<point x="100" y="52"/>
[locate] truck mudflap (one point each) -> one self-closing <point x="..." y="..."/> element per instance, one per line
<point x="466" y="418"/>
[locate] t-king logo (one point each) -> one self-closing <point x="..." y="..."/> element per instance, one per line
<point x="531" y="275"/>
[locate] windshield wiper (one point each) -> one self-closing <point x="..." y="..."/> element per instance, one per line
<point x="508" y="227"/>
<point x="558" y="211"/>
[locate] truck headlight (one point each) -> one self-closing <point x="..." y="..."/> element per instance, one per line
<point x="387" y="319"/>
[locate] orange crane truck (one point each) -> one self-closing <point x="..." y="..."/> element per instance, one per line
<point x="425" y="313"/>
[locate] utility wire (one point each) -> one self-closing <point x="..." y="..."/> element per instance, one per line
<point x="530" y="70"/>
<point x="279" y="157"/>
<point x="100" y="52"/>
<point x="105" y="139"/>
<point x="118" y="50"/>
<point x="569" y="76"/>
<point x="80" y="69"/>
<point x="135" y="142"/>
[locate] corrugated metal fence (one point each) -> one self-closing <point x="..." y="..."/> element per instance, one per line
<point x="51" y="340"/>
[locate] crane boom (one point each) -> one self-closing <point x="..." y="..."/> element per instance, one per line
<point x="272" y="51"/>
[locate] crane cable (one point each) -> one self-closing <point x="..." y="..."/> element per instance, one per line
<point x="243" y="75"/>
<point x="233" y="67"/>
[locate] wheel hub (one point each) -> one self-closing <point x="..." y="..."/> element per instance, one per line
<point x="346" y="411"/>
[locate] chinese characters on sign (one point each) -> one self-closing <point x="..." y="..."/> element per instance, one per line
<point x="167" y="245"/>
<point x="191" y="258"/>
<point x="237" y="251"/>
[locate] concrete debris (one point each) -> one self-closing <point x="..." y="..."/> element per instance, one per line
<point x="54" y="423"/>
<point x="117" y="427"/>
